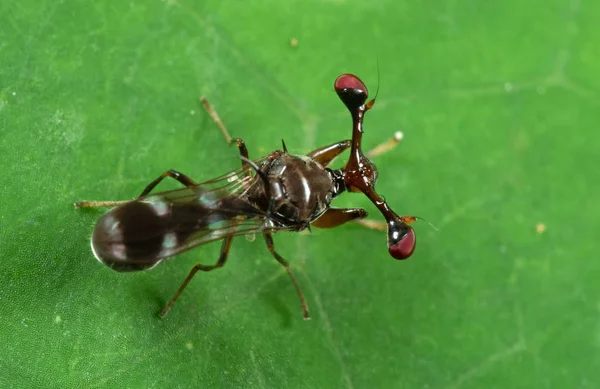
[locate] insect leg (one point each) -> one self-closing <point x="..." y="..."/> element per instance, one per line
<point x="222" y="258"/>
<point x="373" y="224"/>
<point x="334" y="217"/>
<point x="286" y="265"/>
<point x="86" y="204"/>
<point x="383" y="226"/>
<point x="243" y="153"/>
<point x="240" y="143"/>
<point x="185" y="180"/>
<point x="215" y="117"/>
<point x="324" y="155"/>
<point x="385" y="146"/>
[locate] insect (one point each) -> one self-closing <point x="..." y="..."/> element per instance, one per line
<point x="279" y="192"/>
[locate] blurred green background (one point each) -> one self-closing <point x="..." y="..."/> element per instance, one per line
<point x="499" y="104"/>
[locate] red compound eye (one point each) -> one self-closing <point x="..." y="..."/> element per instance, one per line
<point x="403" y="247"/>
<point x="351" y="90"/>
<point x="349" y="81"/>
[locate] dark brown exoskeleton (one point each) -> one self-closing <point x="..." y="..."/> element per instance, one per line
<point x="280" y="192"/>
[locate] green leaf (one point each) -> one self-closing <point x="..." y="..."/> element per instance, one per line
<point x="498" y="102"/>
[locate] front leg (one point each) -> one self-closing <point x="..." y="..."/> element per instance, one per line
<point x="334" y="217"/>
<point x="324" y="155"/>
<point x="239" y="142"/>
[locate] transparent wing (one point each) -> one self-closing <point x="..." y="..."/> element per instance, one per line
<point x="235" y="182"/>
<point x="164" y="224"/>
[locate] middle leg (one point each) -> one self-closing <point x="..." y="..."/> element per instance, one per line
<point x="185" y="180"/>
<point x="222" y="258"/>
<point x="182" y="178"/>
<point x="286" y="265"/>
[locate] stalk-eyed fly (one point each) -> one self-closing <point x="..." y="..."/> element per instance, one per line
<point x="279" y="192"/>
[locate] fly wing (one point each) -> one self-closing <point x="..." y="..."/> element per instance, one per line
<point x="139" y="234"/>
<point x="193" y="219"/>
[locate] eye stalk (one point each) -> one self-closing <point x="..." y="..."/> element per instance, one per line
<point x="360" y="173"/>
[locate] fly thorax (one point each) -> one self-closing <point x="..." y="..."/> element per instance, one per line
<point x="300" y="188"/>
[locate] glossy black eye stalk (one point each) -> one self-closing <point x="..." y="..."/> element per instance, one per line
<point x="279" y="192"/>
<point x="360" y="172"/>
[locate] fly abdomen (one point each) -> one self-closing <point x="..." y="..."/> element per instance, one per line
<point x="130" y="237"/>
<point x="139" y="234"/>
